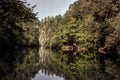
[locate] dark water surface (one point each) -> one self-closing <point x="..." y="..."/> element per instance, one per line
<point x="42" y="64"/>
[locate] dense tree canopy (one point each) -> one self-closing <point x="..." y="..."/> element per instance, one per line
<point x="89" y="23"/>
<point x="13" y="14"/>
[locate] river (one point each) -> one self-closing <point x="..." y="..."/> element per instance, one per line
<point x="45" y="64"/>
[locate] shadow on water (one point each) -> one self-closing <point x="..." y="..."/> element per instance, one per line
<point x="19" y="64"/>
<point x="42" y="64"/>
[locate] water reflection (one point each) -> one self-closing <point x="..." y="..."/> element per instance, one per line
<point x="31" y="64"/>
<point x="80" y="66"/>
<point x="19" y="64"/>
<point x="49" y="65"/>
<point x="43" y="76"/>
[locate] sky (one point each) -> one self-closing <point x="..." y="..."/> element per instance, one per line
<point x="50" y="7"/>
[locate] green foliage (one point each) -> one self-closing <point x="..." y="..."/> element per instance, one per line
<point x="92" y="24"/>
<point x="12" y="14"/>
<point x="48" y="30"/>
<point x="104" y="13"/>
<point x="31" y="32"/>
<point x="76" y="31"/>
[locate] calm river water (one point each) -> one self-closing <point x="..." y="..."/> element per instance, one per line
<point x="42" y="64"/>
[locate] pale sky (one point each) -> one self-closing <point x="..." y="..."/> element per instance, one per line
<point x="50" y="7"/>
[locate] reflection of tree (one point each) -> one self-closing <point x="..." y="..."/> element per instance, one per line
<point x="78" y="67"/>
<point x="49" y="62"/>
<point x="22" y="67"/>
<point x="24" y="64"/>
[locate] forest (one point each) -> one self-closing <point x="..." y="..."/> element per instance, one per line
<point x="17" y="24"/>
<point x="90" y="27"/>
